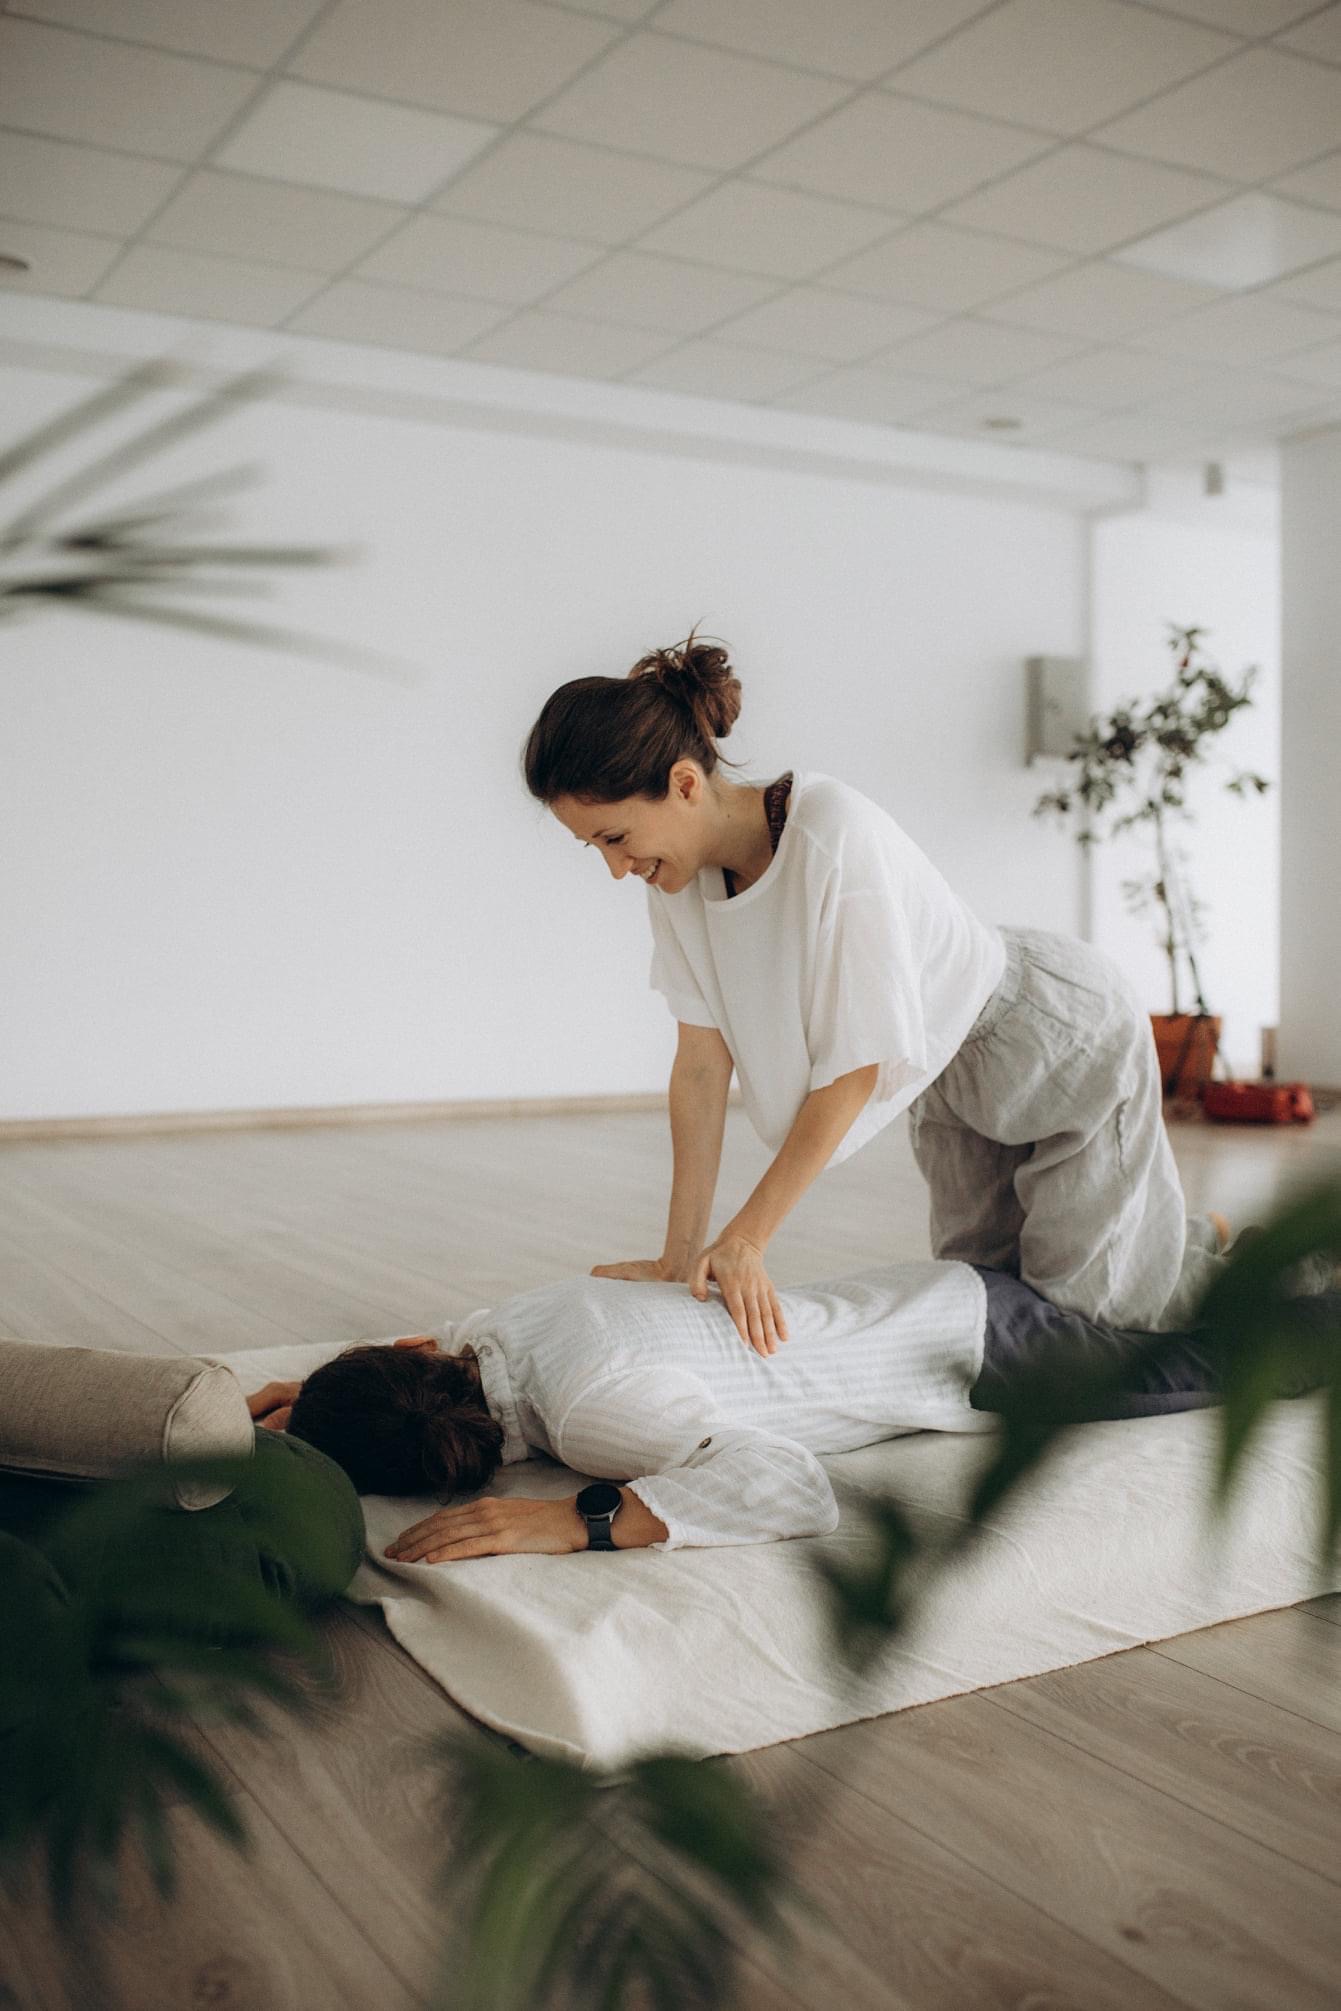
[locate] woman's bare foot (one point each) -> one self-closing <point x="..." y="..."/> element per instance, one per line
<point x="1222" y="1228"/>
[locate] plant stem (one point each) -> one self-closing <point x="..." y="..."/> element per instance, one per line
<point x="1191" y="956"/>
<point x="1163" y="890"/>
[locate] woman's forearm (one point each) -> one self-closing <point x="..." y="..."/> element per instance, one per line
<point x="698" y="1093"/>
<point x="823" y="1121"/>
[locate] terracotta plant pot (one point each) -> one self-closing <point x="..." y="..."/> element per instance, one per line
<point x="1186" y="1044"/>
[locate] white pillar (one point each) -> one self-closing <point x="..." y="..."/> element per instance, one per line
<point x="1310" y="1028"/>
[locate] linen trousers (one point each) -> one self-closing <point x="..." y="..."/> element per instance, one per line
<point x="1044" y="1147"/>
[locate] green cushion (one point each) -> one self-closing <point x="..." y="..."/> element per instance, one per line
<point x="293" y="1523"/>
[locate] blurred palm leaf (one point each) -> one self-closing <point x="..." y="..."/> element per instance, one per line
<point x="595" y="1892"/>
<point x="1274" y="1341"/>
<point x="93" y="1621"/>
<point x="127" y="561"/>
<point x="870" y="1599"/>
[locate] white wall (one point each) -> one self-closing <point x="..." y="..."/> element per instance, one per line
<point x="1310" y="902"/>
<point x="236" y="878"/>
<point x="1213" y="564"/>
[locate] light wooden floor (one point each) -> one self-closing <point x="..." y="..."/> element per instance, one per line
<point x="1159" y="1828"/>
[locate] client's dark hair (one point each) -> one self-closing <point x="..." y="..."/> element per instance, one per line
<point x="400" y="1421"/>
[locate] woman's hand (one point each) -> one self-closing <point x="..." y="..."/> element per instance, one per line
<point x="737" y="1267"/>
<point x="492" y="1527"/>
<point x="642" y="1271"/>
<point x="271" y="1407"/>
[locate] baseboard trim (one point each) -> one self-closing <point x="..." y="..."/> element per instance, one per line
<point x="16" y="1130"/>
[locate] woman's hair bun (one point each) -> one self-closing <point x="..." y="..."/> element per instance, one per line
<point x="698" y="675"/>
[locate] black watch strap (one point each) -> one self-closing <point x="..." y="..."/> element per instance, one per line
<point x="598" y="1505"/>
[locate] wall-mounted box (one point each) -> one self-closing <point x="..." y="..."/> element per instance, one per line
<point x="1056" y="709"/>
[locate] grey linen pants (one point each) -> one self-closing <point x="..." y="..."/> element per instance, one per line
<point x="1044" y="1147"/>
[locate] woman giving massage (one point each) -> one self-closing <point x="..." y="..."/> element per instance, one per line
<point x="802" y="940"/>
<point x="709" y="1443"/>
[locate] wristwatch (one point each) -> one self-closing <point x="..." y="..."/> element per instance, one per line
<point x="598" y="1505"/>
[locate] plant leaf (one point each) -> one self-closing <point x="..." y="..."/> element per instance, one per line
<point x="228" y="630"/>
<point x="82" y="417"/>
<point x="161" y="434"/>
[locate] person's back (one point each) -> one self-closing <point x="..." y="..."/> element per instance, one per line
<point x="892" y="1349"/>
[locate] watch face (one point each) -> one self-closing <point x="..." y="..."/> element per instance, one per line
<point x="601" y="1498"/>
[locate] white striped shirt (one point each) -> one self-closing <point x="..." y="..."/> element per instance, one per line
<point x="647" y="1385"/>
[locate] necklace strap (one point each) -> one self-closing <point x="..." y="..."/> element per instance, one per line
<point x="775" y="810"/>
<point x="775" y="805"/>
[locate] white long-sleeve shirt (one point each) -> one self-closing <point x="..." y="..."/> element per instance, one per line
<point x="850" y="949"/>
<point x="646" y="1385"/>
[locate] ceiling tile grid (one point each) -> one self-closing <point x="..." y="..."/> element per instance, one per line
<point x="1062" y="65"/>
<point x="254" y="32"/>
<point x="79" y="187"/>
<point x="1113" y="226"/>
<point x="114" y="94"/>
<point x="720" y="370"/>
<point x="488" y="59"/>
<point x="455" y="255"/>
<point x="396" y="317"/>
<point x="535" y="181"/>
<point x="245" y="216"/>
<point x="871" y="395"/>
<point x="936" y="265"/>
<point x="365" y="146"/>
<point x="184" y="282"/>
<point x="71" y="262"/>
<point x="754" y="228"/>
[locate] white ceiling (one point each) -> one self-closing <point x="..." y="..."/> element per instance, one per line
<point x="1114" y="222"/>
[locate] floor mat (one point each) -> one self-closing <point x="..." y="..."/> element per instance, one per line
<point x="602" y="1656"/>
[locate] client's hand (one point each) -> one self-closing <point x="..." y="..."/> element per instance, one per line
<point x="271" y="1407"/>
<point x="737" y="1267"/>
<point x="641" y="1271"/>
<point x="492" y="1527"/>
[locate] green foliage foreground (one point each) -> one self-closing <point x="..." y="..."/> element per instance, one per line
<point x="593" y="1891"/>
<point x="571" y="1890"/>
<point x="110" y="1638"/>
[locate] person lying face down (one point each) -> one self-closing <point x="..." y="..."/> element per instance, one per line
<point x="707" y="1442"/>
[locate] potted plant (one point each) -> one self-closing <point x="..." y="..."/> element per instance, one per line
<point x="1130" y="772"/>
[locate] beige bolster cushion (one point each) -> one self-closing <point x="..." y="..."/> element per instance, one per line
<point x="91" y="1413"/>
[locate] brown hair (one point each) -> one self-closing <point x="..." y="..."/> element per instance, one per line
<point x="400" y="1420"/>
<point x="603" y="739"/>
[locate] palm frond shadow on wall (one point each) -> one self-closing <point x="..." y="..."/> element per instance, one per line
<point x="143" y="559"/>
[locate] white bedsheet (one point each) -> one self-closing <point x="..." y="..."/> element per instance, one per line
<point x="602" y="1656"/>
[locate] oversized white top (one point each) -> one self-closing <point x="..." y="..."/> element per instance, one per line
<point x="850" y="949"/>
<point x="643" y="1383"/>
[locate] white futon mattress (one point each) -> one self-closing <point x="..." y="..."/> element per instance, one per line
<point x="603" y="1656"/>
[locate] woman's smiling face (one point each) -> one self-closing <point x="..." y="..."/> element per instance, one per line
<point x="657" y="842"/>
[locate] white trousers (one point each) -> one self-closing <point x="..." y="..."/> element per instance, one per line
<point x="1043" y="1144"/>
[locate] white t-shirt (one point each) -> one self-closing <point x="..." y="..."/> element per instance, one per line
<point x="850" y="949"/>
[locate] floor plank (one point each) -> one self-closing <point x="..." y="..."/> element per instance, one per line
<point x="355" y="1797"/>
<point x="38" y="1302"/>
<point x="255" y="1933"/>
<point x="1291" y="1659"/>
<point x="907" y="1919"/>
<point x="183" y="1312"/>
<point x="1214" y="1919"/>
<point x="1220" y="1750"/>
